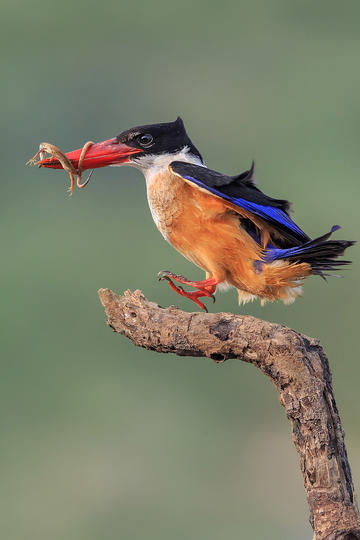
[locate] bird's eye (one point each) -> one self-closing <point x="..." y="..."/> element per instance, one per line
<point x="146" y="140"/>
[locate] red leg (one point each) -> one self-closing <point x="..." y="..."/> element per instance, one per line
<point x="191" y="295"/>
<point x="206" y="287"/>
<point x="202" y="284"/>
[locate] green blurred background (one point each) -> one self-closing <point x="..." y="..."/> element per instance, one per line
<point x="100" y="440"/>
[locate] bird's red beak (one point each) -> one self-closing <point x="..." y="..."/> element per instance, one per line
<point x="102" y="154"/>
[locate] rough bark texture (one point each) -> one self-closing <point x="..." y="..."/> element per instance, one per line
<point x="298" y="367"/>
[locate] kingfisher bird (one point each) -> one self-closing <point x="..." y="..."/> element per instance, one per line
<point x="224" y="224"/>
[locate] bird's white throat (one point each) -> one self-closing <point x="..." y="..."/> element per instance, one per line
<point x="152" y="164"/>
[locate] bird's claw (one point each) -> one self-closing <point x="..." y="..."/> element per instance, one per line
<point x="163" y="274"/>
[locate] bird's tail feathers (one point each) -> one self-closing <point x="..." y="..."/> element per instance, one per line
<point x="321" y="253"/>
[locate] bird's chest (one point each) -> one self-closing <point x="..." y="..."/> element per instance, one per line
<point x="167" y="197"/>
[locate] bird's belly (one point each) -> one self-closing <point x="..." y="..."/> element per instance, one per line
<point x="177" y="215"/>
<point x="197" y="224"/>
<point x="166" y="202"/>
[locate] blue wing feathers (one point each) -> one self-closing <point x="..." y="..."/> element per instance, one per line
<point x="266" y="212"/>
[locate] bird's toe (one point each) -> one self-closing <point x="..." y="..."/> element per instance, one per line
<point x="163" y="274"/>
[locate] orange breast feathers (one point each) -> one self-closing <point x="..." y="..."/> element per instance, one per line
<point x="207" y="231"/>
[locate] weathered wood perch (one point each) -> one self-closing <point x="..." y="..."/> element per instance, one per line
<point x="298" y="367"/>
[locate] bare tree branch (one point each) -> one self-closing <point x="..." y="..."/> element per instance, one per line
<point x="298" y="367"/>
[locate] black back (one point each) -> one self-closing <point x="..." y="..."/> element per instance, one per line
<point x="241" y="186"/>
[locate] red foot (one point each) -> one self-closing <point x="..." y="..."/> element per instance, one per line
<point x="181" y="279"/>
<point x="206" y="287"/>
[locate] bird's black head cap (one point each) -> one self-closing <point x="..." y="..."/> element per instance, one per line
<point x="157" y="139"/>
